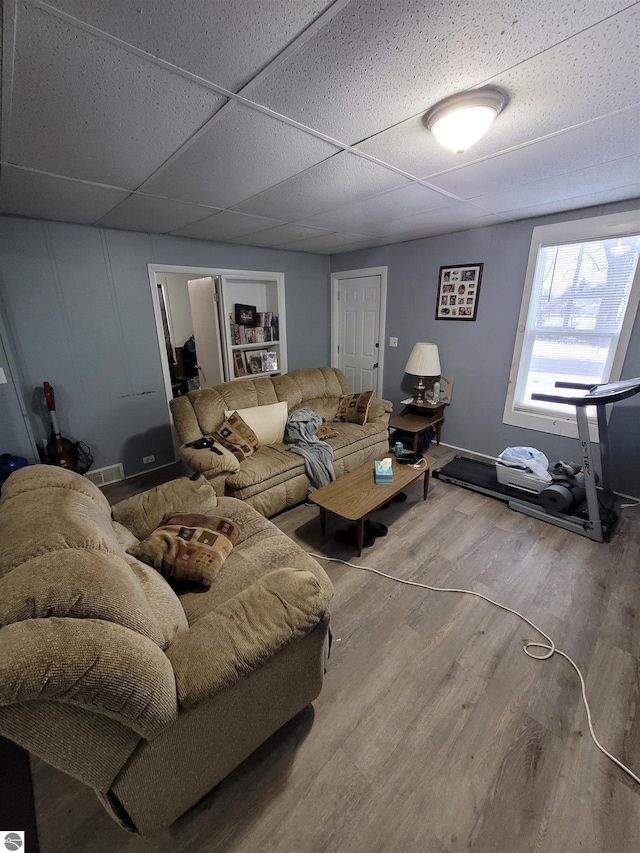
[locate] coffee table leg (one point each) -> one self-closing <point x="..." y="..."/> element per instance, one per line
<point x="323" y="519"/>
<point x="426" y="484"/>
<point x="360" y="536"/>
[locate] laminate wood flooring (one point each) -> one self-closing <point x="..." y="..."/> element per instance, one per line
<point x="434" y="733"/>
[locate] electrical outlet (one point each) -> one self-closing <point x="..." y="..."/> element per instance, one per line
<point x="393" y="342"/>
<point x="147" y="459"/>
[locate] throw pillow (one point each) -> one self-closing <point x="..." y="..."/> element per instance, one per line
<point x="188" y="547"/>
<point x="236" y="436"/>
<point x="268" y="422"/>
<point x="354" y="408"/>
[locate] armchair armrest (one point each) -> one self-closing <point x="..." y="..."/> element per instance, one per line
<point x="244" y="632"/>
<point x="379" y="409"/>
<point x="207" y="462"/>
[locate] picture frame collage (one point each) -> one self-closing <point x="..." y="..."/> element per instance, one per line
<point x="458" y="292"/>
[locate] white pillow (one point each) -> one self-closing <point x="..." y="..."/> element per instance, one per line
<point x="268" y="422"/>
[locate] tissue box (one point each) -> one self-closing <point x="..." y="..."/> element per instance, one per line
<point x="383" y="471"/>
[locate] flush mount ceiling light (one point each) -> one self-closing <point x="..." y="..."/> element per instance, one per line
<point x="459" y="121"/>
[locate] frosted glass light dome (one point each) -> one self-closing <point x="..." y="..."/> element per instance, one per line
<point x="459" y="121"/>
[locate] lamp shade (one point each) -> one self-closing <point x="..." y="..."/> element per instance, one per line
<point x="424" y="360"/>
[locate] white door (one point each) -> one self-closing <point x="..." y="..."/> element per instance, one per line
<point x="206" y="330"/>
<point x="358" y="327"/>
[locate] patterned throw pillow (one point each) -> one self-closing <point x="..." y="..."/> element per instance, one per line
<point x="236" y="436"/>
<point x="354" y="408"/>
<point x="188" y="547"/>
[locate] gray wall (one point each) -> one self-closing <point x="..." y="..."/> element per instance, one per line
<point x="77" y="303"/>
<point x="477" y="355"/>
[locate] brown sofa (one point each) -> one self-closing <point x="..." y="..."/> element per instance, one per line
<point x="273" y="478"/>
<point x="148" y="696"/>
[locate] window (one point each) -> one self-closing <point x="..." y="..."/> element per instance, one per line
<point x="578" y="308"/>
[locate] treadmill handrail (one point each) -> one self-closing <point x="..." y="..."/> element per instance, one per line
<point x="597" y="395"/>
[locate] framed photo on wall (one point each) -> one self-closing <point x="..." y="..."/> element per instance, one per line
<point x="458" y="292"/>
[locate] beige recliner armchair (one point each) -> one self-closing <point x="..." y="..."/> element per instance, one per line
<point x="147" y="696"/>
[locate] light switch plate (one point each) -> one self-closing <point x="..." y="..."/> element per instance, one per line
<point x="3" y="377"/>
<point x="393" y="342"/>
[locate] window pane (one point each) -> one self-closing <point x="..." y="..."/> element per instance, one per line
<point x="578" y="302"/>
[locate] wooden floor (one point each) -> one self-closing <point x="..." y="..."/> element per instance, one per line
<point x="433" y="731"/>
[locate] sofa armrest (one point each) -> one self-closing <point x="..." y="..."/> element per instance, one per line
<point x="91" y="664"/>
<point x="379" y="410"/>
<point x="244" y="632"/>
<point x="205" y="461"/>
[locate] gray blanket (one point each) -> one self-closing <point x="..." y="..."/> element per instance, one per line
<point x="300" y="433"/>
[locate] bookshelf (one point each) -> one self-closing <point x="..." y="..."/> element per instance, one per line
<point x="256" y="345"/>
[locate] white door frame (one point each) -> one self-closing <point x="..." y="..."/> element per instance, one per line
<point x="336" y="278"/>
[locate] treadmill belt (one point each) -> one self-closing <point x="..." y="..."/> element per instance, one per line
<point x="481" y="477"/>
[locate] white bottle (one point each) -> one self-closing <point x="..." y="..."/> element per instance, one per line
<point x="436" y="392"/>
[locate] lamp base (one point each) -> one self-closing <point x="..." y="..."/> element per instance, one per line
<point x="420" y="390"/>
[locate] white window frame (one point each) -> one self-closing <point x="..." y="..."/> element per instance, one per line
<point x="580" y="230"/>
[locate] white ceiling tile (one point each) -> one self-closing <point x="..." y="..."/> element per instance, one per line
<point x="338" y="180"/>
<point x="48" y="197"/>
<point x="363" y="216"/>
<point x="281" y="234"/>
<point x="454" y="218"/>
<point x="604" y="176"/>
<point x="88" y="109"/>
<point x="226" y="42"/>
<point x="225" y="226"/>
<point x="587" y="77"/>
<point x="522" y="211"/>
<point x="324" y="244"/>
<point x="240" y="155"/>
<point x="610" y="139"/>
<point x="155" y="215"/>
<point x="382" y="62"/>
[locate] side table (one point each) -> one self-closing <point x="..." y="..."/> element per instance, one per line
<point x="417" y="418"/>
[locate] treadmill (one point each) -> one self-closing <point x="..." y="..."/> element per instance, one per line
<point x="594" y="517"/>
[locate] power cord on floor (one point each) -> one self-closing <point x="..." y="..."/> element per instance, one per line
<point x="549" y="648"/>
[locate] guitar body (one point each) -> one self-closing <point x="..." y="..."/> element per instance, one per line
<point x="60" y="451"/>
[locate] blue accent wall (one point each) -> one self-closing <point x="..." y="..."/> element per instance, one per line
<point x="77" y="303"/>
<point x="477" y="355"/>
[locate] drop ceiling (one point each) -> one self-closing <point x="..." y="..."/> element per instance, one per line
<point x="297" y="124"/>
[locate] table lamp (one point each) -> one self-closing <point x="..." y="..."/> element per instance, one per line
<point x="423" y="361"/>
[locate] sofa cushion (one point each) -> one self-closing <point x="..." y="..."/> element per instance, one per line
<point x="189" y="548"/>
<point x="163" y="601"/>
<point x="354" y="408"/>
<point x="60" y="557"/>
<point x="267" y="422"/>
<point x="237" y="436"/>
<point x="50" y="519"/>
<point x="78" y="583"/>
<point x="261" y="548"/>
<point x="245" y="632"/>
<point x="50" y="476"/>
<point x="144" y="512"/>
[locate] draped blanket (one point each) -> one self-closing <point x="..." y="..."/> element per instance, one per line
<point x="300" y="433"/>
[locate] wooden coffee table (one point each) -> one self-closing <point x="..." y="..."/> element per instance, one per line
<point x="354" y="495"/>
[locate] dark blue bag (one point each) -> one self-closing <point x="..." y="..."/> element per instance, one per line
<point x="9" y="464"/>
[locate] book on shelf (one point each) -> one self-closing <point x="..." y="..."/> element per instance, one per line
<point x="241" y="335"/>
<point x="239" y="363"/>
<point x="264" y="318"/>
